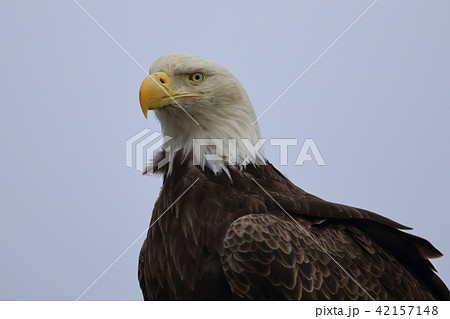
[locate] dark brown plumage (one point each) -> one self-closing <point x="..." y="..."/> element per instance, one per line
<point x="227" y="239"/>
<point x="234" y="227"/>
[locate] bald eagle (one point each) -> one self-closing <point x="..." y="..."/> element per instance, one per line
<point x="229" y="226"/>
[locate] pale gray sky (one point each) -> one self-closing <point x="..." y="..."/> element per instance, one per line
<point x="376" y="104"/>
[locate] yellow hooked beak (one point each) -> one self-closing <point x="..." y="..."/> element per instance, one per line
<point x="156" y="92"/>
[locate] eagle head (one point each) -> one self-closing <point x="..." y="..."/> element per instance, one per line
<point x="199" y="102"/>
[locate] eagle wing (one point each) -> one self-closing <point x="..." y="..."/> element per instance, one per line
<point x="266" y="257"/>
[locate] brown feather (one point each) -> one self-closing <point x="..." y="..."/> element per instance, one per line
<point x="227" y="239"/>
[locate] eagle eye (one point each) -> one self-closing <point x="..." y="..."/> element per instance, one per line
<point x="196" y="77"/>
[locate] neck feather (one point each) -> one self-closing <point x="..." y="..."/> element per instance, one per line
<point x="219" y="141"/>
